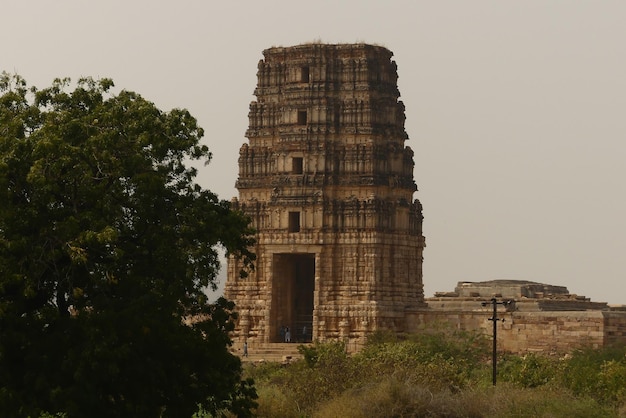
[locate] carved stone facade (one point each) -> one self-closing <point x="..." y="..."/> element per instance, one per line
<point x="328" y="183"/>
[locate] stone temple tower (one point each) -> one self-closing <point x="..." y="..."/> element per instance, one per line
<point x="328" y="183"/>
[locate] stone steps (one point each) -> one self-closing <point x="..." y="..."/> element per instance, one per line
<point x="274" y="352"/>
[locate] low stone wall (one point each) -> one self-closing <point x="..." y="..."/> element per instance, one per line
<point x="523" y="332"/>
<point x="551" y="332"/>
<point x="614" y="327"/>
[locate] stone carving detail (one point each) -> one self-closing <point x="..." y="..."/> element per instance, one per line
<point x="328" y="184"/>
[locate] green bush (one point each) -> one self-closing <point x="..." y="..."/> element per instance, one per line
<point x="439" y="374"/>
<point x="262" y="372"/>
<point x="327" y="370"/>
<point x="407" y="362"/>
<point x="598" y="374"/>
<point x="442" y="357"/>
<point x="529" y="371"/>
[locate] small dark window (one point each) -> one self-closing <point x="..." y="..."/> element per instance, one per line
<point x="296" y="165"/>
<point x="294" y="221"/>
<point x="302" y="117"/>
<point x="304" y="74"/>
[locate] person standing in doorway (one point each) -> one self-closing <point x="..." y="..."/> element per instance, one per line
<point x="287" y="335"/>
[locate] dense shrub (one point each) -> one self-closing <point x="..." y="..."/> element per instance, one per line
<point x="406" y="362"/>
<point x="599" y="374"/>
<point x="444" y="373"/>
<point x="529" y="371"/>
<point x="441" y="357"/>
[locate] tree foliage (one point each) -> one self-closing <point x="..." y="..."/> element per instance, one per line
<point x="107" y="246"/>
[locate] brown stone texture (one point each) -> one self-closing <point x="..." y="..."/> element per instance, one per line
<point x="542" y="318"/>
<point x="523" y="332"/>
<point x="328" y="183"/>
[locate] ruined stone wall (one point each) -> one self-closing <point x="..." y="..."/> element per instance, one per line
<point x="541" y="317"/>
<point x="523" y="332"/>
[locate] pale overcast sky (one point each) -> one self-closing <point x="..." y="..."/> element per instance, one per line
<point x="516" y="110"/>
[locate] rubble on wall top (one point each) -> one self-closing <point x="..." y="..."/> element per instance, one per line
<point x="512" y="289"/>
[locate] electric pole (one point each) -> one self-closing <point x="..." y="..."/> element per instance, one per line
<point x="494" y="356"/>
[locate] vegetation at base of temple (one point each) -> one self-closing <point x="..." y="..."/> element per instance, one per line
<point x="440" y="373"/>
<point x="107" y="247"/>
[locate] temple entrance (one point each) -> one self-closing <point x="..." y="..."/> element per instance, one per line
<point x="293" y="284"/>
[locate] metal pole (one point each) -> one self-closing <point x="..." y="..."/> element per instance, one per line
<point x="494" y="355"/>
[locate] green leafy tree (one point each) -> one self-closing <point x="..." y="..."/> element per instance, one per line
<point x="107" y="247"/>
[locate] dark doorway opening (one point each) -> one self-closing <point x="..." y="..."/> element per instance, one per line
<point x="293" y="284"/>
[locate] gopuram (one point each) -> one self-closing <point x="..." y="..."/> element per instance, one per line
<point x="328" y="183"/>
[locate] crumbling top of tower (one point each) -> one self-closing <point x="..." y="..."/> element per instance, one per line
<point x="321" y="49"/>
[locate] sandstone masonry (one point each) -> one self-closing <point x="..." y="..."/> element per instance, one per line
<point x="328" y="183"/>
<point x="542" y="317"/>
